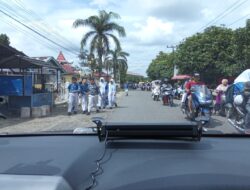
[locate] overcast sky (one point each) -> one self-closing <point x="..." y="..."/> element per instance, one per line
<point x="150" y="25"/>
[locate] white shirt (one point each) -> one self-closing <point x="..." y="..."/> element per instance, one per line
<point x="112" y="88"/>
<point x="222" y="88"/>
<point x="102" y="86"/>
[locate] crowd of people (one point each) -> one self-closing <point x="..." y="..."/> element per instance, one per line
<point x="92" y="95"/>
<point x="184" y="89"/>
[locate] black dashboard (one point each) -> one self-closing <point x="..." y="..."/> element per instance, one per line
<point x="65" y="162"/>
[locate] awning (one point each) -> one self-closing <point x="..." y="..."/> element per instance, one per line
<point x="22" y="62"/>
<point x="181" y="77"/>
<point x="243" y="77"/>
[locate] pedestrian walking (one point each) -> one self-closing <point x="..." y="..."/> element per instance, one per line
<point x="74" y="89"/>
<point x="93" y="96"/>
<point x="112" y="94"/>
<point x="102" y="94"/>
<point x="80" y="95"/>
<point x="126" y="88"/>
<point x="84" y="95"/>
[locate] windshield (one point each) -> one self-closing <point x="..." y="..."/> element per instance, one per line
<point x="201" y="89"/>
<point x="62" y="63"/>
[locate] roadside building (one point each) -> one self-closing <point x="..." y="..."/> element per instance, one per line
<point x="57" y="84"/>
<point x="27" y="81"/>
<point x="67" y="66"/>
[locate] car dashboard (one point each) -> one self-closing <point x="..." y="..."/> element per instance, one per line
<point x="65" y="162"/>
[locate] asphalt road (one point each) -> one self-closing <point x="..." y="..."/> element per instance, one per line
<point x="140" y="107"/>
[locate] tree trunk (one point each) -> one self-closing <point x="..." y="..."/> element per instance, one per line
<point x="114" y="70"/>
<point x="100" y="60"/>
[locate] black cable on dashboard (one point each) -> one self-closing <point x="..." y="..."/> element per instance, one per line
<point x="98" y="163"/>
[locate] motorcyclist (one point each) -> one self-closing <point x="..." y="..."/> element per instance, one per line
<point x="165" y="84"/>
<point x="157" y="85"/>
<point x="195" y="81"/>
<point x="156" y="88"/>
<point x="221" y="89"/>
<point x="246" y="95"/>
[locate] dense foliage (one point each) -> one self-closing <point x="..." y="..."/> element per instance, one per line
<point x="4" y="39"/>
<point x="161" y="67"/>
<point x="215" y="53"/>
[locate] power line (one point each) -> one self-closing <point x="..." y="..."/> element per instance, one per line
<point x="48" y="29"/>
<point x="232" y="10"/>
<point x="20" y="16"/>
<point x="30" y="35"/>
<point x="38" y="33"/>
<point x="239" y="20"/>
<point x="224" y="13"/>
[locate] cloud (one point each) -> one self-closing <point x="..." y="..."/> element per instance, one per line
<point x="178" y="10"/>
<point x="154" y="31"/>
<point x="100" y="2"/>
<point x="150" y="24"/>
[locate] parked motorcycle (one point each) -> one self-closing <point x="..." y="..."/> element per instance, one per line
<point x="167" y="96"/>
<point x="202" y="104"/>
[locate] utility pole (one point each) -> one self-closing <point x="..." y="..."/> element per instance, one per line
<point x="173" y="51"/>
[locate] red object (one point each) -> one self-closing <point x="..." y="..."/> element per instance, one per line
<point x="102" y="74"/>
<point x="68" y="68"/>
<point x="181" y="77"/>
<point x="192" y="83"/>
<point x="61" y="58"/>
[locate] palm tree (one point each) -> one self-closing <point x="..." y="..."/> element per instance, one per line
<point x="119" y="61"/>
<point x="108" y="64"/>
<point x="92" y="63"/>
<point x="102" y="28"/>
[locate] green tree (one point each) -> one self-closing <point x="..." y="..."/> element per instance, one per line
<point x="161" y="67"/>
<point x="4" y="39"/>
<point x="102" y="28"/>
<point x="119" y="61"/>
<point x="133" y="78"/>
<point x="210" y="53"/>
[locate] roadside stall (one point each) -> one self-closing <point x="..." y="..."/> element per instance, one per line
<point x="29" y="86"/>
<point x="179" y="80"/>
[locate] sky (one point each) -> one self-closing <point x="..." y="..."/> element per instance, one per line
<point x="151" y="25"/>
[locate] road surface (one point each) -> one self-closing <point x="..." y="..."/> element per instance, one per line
<point x="139" y="107"/>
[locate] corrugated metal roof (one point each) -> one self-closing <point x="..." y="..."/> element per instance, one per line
<point x="23" y="62"/>
<point x="7" y="51"/>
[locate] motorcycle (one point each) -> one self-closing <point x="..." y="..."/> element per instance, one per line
<point x="178" y="92"/>
<point x="202" y="105"/>
<point x="142" y="87"/>
<point x="167" y="96"/>
<point x="156" y="94"/>
<point x="148" y="88"/>
<point x="2" y="116"/>
<point x="220" y="105"/>
<point x="238" y="111"/>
